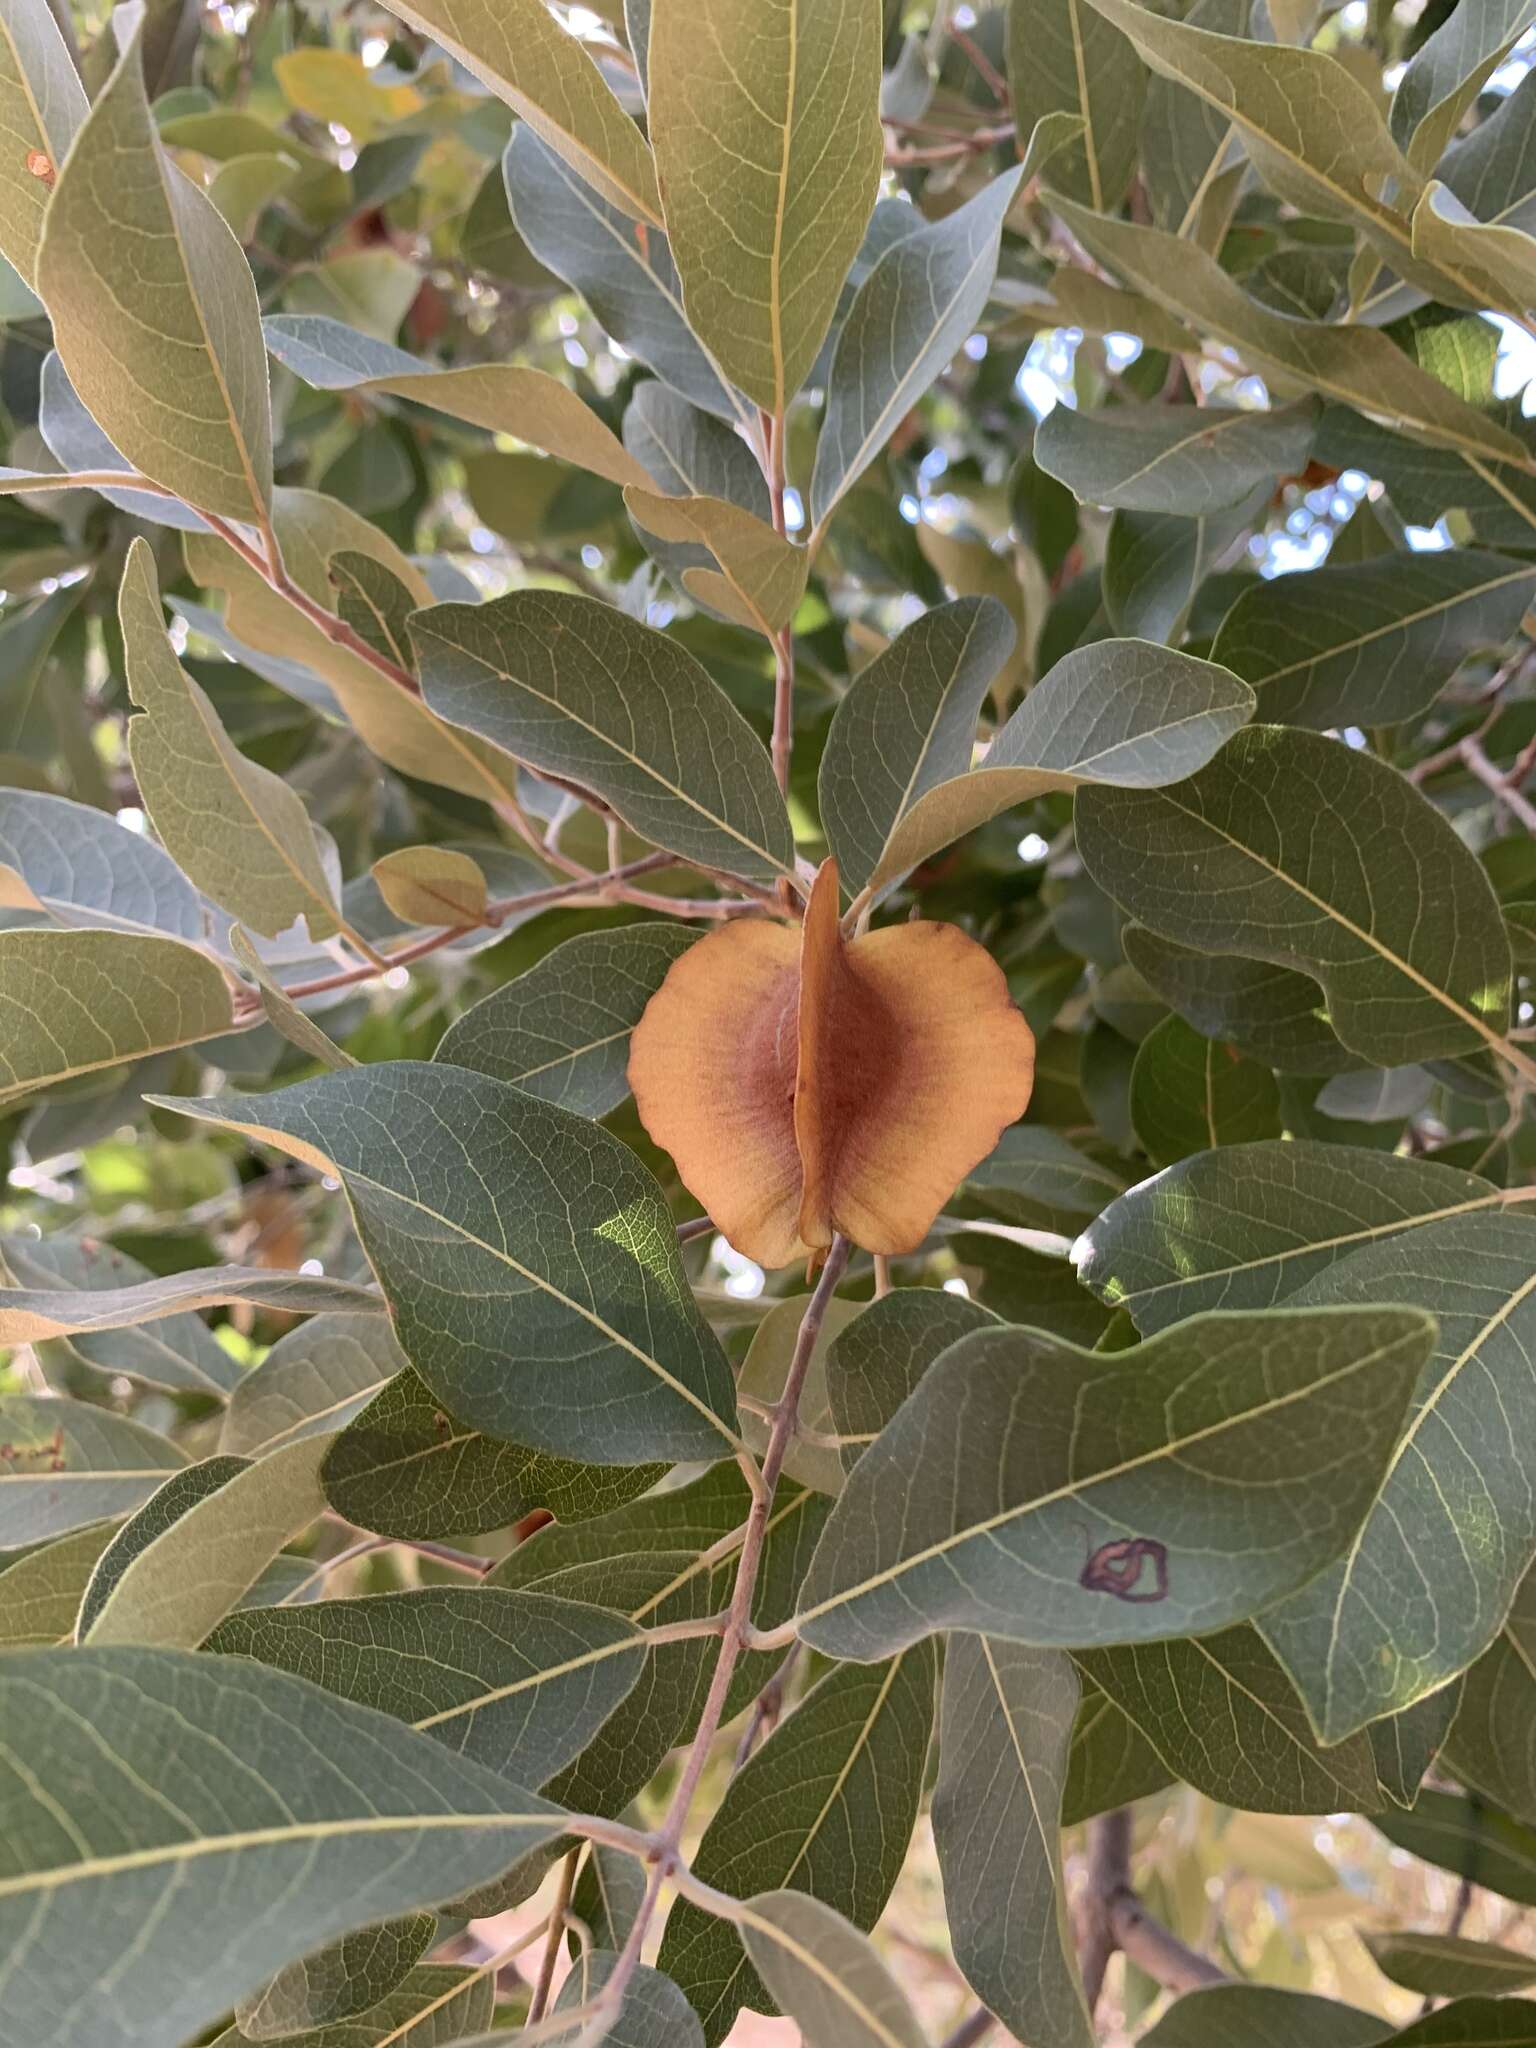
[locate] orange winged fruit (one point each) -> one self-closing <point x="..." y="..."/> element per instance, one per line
<point x="808" y="1084"/>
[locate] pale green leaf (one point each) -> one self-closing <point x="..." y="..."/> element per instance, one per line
<point x="911" y="315"/>
<point x="1429" y="1576"/>
<point x="1495" y="265"/>
<point x="154" y="310"/>
<point x="1463" y="1835"/>
<point x="236" y="829"/>
<point x="1187" y="145"/>
<point x="188" y="1576"/>
<point x="42" y="103"/>
<point x="577" y="689"/>
<point x="876" y="1360"/>
<point x="1390" y="913"/>
<point x="403" y="1466"/>
<point x="546" y="1304"/>
<point x="1119" y="712"/>
<point x="1492" y="171"/>
<point x="548" y="78"/>
<point x="73" y="1002"/>
<point x="1185" y="459"/>
<point x="561" y="1030"/>
<point x="1155" y="563"/>
<point x="1448" y="1965"/>
<point x="1359" y="366"/>
<point x="1190" y="1094"/>
<point x="280" y="1011"/>
<point x="81" y="867"/>
<point x="375" y="604"/>
<point x="826" y="1806"/>
<point x="765" y="123"/>
<point x="64" y="1464"/>
<point x="40" y="1592"/>
<point x="1448" y="70"/>
<point x="432" y="885"/>
<point x="1247" y="1226"/>
<point x="1036" y="1180"/>
<point x="180" y="1493"/>
<point x="317" y="1377"/>
<point x="688" y="452"/>
<point x="160" y="1778"/>
<point x="1223" y="1715"/>
<point x="1065" y="57"/>
<point x="1492" y="1742"/>
<point x="1004" y="1738"/>
<point x="622" y="269"/>
<point x="825" y="1975"/>
<point x="30" y="1314"/>
<point x="175" y="1351"/>
<point x="654" y="2013"/>
<point x="906" y="724"/>
<point x="1370" y="643"/>
<point x="1262" y="2016"/>
<point x="992" y="1538"/>
<point x="764" y="1371"/>
<point x="504" y="398"/>
<point x="515" y="1681"/>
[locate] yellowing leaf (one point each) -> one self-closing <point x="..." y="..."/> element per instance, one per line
<point x="336" y="86"/>
<point x="42" y="103"/>
<point x="431" y="885"/>
<point x="761" y="577"/>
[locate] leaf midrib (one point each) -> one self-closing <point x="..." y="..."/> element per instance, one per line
<point x="1331" y="652"/>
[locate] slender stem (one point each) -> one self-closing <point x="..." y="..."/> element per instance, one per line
<point x="1505" y="788"/>
<point x="539" y="2003"/>
<point x="783" y="641"/>
<point x="882" y="1275"/>
<point x="767" y="1707"/>
<point x="1113" y="1917"/>
<point x="667" y="1842"/>
<point x="970" y="2031"/>
<point x="696" y="1226"/>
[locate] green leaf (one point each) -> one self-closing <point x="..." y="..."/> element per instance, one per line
<point x="42" y="103"/>
<point x="994" y="1538"/>
<point x="610" y="1889"/>
<point x="1065" y="57"/>
<point x="404" y="1467"/>
<point x="1223" y="1716"/>
<point x="1111" y="1762"/>
<point x="826" y="1806"/>
<point x="1492" y="1742"/>
<point x="1423" y="482"/>
<point x="1261" y="2016"/>
<point x="875" y="1362"/>
<point x="1247" y="1226"/>
<point x="504" y="398"/>
<point x="577" y="1336"/>
<point x="768" y="149"/>
<point x="1490" y="171"/>
<point x="40" y="1592"/>
<point x="654" y="2013"/>
<point x="157" y="1775"/>
<point x="1391" y="914"/>
<point x="1448" y="70"/>
<point x="81" y="867"/>
<point x="909" y="318"/>
<point x="906" y="724"/>
<point x="154" y="310"/>
<point x="1035" y="1180"/>
<point x="73" y="1002"/>
<point x="1466" y="1837"/>
<point x="1495" y="267"/>
<point x="1371" y="643"/>
<point x="1310" y="125"/>
<point x="687" y="452"/>
<point x="1022" y="1285"/>
<point x="1004" y="1738"/>
<point x="1448" y="1965"/>
<point x="280" y="1011"/>
<point x="63" y="1465"/>
<point x="760" y="578"/>
<point x="178" y="1352"/>
<point x="1189" y="1094"/>
<point x="625" y="274"/>
<point x="1270" y="1013"/>
<point x="28" y="1315"/>
<point x="1118" y="712"/>
<point x="1428" y="1579"/>
<point x="515" y="1681"/>
<point x="561" y="1030"/>
<point x="235" y="829"/>
<point x="1155" y="563"/>
<point x="549" y="79"/>
<point x="825" y="1975"/>
<point x="763" y="1375"/>
<point x="1407" y="1744"/>
<point x="1184" y="459"/>
<point x="1360" y="366"/>
<point x="169" y="1585"/>
<point x="1186" y="144"/>
<point x="375" y="604"/>
<point x="577" y="689"/>
<point x="368" y="1979"/>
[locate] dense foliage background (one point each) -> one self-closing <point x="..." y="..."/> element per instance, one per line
<point x="496" y="492"/>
